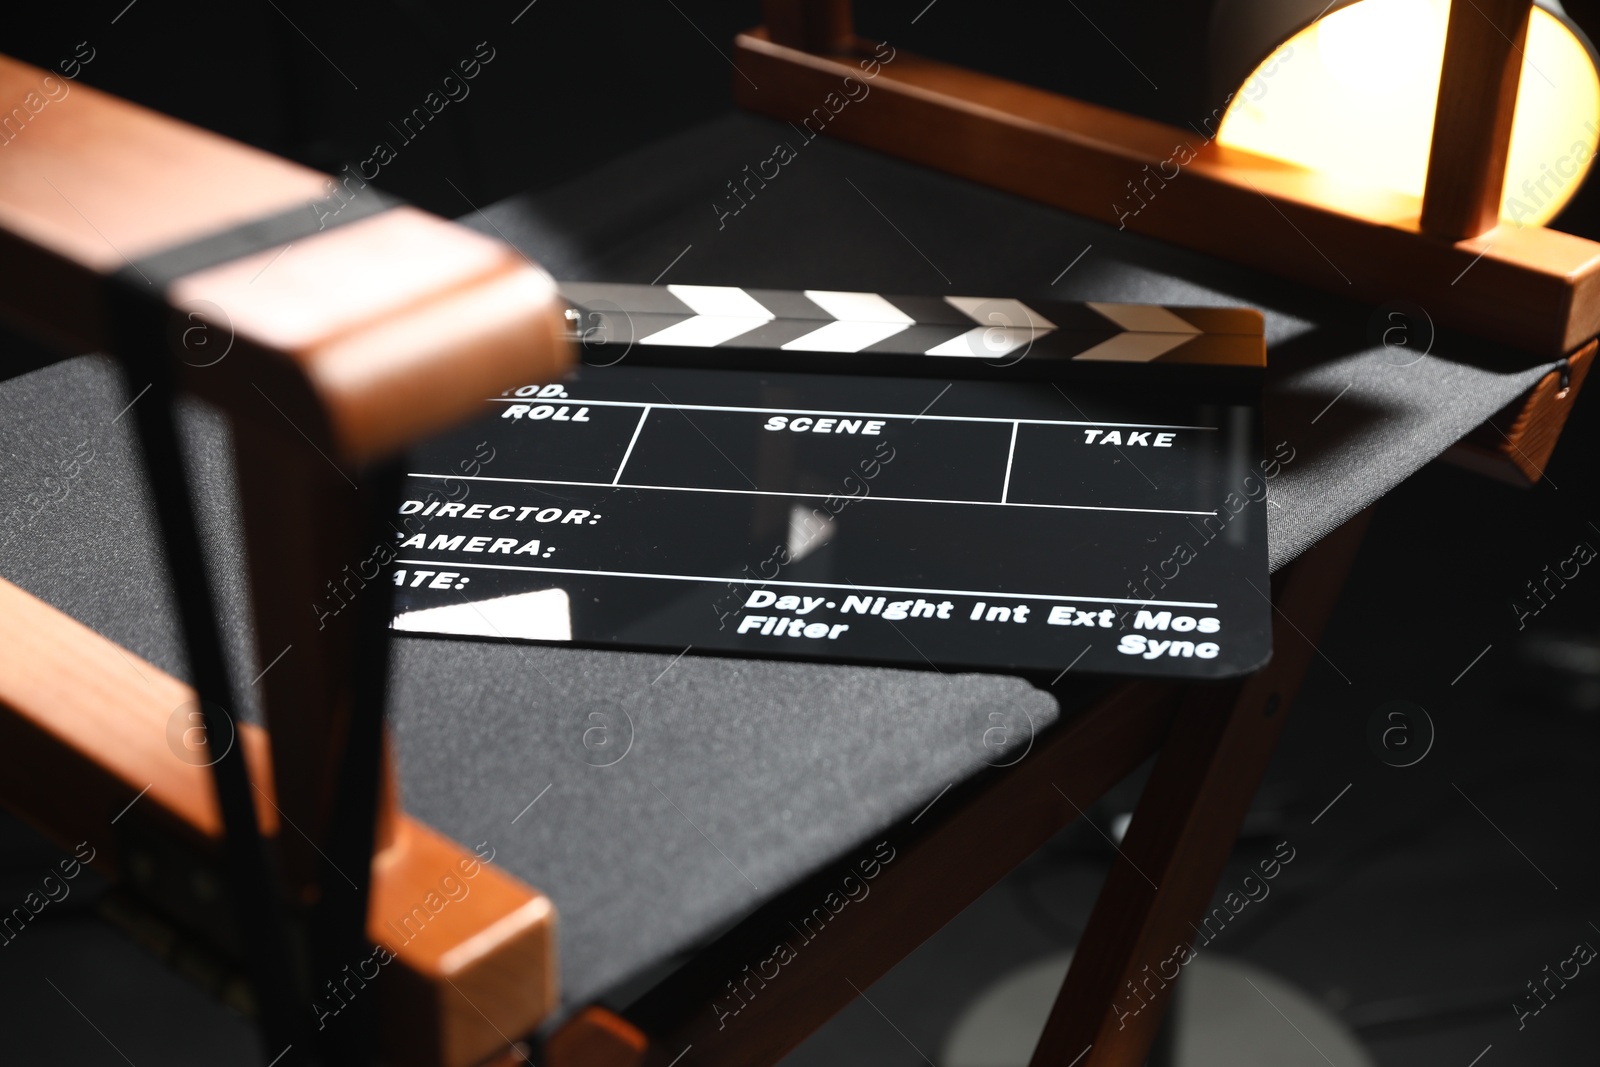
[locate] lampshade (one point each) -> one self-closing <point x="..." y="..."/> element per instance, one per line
<point x="1348" y="89"/>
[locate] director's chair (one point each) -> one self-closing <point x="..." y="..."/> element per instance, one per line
<point x="390" y="325"/>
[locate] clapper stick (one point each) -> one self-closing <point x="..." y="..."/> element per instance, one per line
<point x="334" y="328"/>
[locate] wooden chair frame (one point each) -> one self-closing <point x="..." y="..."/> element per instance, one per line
<point x="1532" y="288"/>
<point x="348" y="327"/>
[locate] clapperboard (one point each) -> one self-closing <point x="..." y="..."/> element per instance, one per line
<point x="931" y="482"/>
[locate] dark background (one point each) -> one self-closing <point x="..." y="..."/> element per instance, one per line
<point x="1410" y="916"/>
<point x="575" y="82"/>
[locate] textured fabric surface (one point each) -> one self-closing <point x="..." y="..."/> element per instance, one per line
<point x="672" y="794"/>
<point x="92" y="548"/>
<point x="741" y="775"/>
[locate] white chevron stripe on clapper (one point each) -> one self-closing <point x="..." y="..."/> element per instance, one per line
<point x="721" y="313"/>
<point x="1004" y="326"/>
<point x="1151" y="332"/>
<point x="861" y="319"/>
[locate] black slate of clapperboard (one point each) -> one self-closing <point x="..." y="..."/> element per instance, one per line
<point x="949" y="483"/>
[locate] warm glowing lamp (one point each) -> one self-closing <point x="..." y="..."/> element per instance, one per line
<point x="1349" y="90"/>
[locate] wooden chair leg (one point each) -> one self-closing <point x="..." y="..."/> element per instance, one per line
<point x="1118" y="988"/>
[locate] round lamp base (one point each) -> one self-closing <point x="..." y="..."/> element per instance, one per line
<point x="1227" y="1014"/>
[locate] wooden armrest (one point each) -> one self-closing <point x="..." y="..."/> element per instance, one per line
<point x="1530" y="287"/>
<point x="367" y="334"/>
<point x="335" y="328"/>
